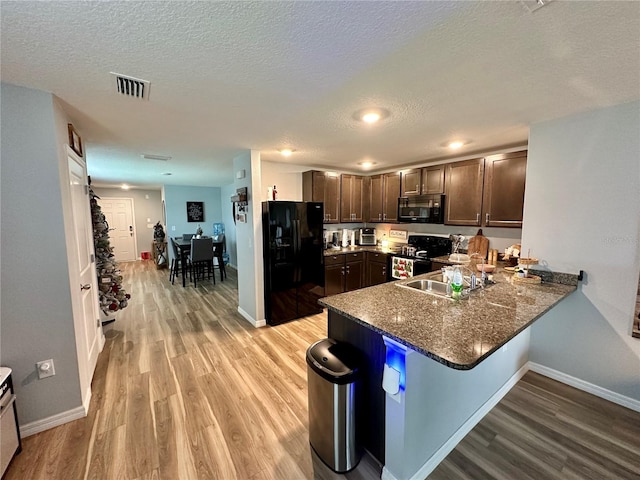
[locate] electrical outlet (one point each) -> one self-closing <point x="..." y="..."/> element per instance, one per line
<point x="45" y="369"/>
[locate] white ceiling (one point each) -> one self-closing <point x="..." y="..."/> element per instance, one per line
<point x="231" y="76"/>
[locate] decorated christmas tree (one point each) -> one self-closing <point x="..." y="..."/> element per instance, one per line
<point x="112" y="297"/>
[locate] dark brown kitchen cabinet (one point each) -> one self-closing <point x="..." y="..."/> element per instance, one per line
<point x="423" y="181"/>
<point x="411" y="182"/>
<point x="463" y="188"/>
<point x="376" y="268"/>
<point x="323" y="187"/>
<point x="343" y="272"/>
<point x="438" y="266"/>
<point x="352" y="198"/>
<point x="383" y="192"/>
<point x="433" y="180"/>
<point x="504" y="182"/>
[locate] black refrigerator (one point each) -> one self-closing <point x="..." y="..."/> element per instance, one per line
<point x="293" y="259"/>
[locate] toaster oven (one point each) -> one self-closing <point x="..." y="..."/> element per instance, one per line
<point x="367" y="236"/>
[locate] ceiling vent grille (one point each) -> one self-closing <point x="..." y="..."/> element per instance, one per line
<point x="132" y="87"/>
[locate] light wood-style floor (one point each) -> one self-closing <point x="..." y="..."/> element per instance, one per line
<point x="186" y="389"/>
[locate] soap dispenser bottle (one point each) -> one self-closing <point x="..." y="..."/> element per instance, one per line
<point x="456" y="282"/>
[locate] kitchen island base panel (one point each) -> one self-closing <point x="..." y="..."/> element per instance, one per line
<point x="371" y="345"/>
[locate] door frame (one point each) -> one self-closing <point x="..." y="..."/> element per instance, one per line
<point x="133" y="222"/>
<point x="81" y="325"/>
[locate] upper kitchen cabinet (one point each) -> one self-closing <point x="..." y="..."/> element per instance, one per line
<point x="383" y="192"/>
<point x="411" y="182"/>
<point x="352" y="198"/>
<point x="433" y="180"/>
<point x="463" y="190"/>
<point x="323" y="187"/>
<point x="504" y="181"/>
<point x="423" y="181"/>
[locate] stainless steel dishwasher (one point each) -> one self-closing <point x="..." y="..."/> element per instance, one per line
<point x="9" y="434"/>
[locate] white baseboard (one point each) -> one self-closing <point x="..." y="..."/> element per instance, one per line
<point x="596" y="390"/>
<point x="253" y="321"/>
<point x="56" y="420"/>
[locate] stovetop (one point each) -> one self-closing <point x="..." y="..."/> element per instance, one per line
<point x="424" y="247"/>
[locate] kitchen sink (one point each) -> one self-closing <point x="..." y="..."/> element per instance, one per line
<point x="430" y="286"/>
<point x="434" y="285"/>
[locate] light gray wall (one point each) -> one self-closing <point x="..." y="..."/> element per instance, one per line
<point x="147" y="205"/>
<point x="582" y="212"/>
<point x="438" y="400"/>
<point x="286" y="177"/>
<point x="249" y="244"/>
<point x="229" y="226"/>
<point x="36" y="318"/>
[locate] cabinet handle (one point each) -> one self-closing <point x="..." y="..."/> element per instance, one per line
<point x="379" y="216"/>
<point x="486" y="218"/>
<point x="478" y="218"/>
<point x="423" y="189"/>
<point x="384" y="216"/>
<point x="417" y="188"/>
<point x="342" y="271"/>
<point x="347" y="269"/>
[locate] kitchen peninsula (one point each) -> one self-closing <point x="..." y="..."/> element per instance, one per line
<point x="456" y="359"/>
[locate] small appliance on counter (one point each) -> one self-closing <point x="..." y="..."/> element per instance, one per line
<point x="367" y="236"/>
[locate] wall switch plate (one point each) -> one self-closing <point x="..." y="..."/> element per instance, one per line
<point x="45" y="369"/>
<point x="173" y="228"/>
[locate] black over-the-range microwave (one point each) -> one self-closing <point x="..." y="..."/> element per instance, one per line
<point x="421" y="209"/>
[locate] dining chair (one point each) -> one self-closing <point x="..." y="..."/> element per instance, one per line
<point x="218" y="253"/>
<point x="176" y="262"/>
<point x="201" y="258"/>
<point x="188" y="236"/>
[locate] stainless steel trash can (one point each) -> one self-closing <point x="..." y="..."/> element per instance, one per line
<point x="333" y="384"/>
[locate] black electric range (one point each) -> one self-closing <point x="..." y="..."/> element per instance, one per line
<point x="415" y="257"/>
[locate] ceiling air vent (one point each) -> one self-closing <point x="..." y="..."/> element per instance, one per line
<point x="132" y="87"/>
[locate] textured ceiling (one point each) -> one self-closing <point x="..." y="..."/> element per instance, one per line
<point x="231" y="76"/>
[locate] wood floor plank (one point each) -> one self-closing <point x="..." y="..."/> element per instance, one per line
<point x="185" y="388"/>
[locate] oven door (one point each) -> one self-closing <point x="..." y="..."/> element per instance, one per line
<point x="402" y="267"/>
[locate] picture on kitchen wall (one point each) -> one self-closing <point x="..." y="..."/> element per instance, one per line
<point x="195" y="211"/>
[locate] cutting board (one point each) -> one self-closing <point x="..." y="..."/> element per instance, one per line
<point x="479" y="244"/>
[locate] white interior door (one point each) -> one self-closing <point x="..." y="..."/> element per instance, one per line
<point x="122" y="235"/>
<point x="89" y="338"/>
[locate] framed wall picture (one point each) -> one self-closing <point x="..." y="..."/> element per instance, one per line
<point x="195" y="211"/>
<point x="75" y="142"/>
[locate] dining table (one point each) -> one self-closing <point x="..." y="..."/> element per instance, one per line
<point x="184" y="248"/>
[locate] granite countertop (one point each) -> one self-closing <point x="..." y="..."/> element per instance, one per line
<point x="360" y="248"/>
<point x="459" y="334"/>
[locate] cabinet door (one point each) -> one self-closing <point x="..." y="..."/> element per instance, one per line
<point x="351" y="198"/>
<point x="354" y="275"/>
<point x="433" y="180"/>
<point x="346" y="185"/>
<point x="376" y="190"/>
<point x="504" y="181"/>
<point x="463" y="188"/>
<point x="332" y="197"/>
<point x="334" y="279"/>
<point x="411" y="182"/>
<point x="390" y="197"/>
<point x="376" y="270"/>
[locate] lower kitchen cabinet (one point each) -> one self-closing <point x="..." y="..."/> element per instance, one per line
<point x="376" y="268"/>
<point x="343" y="272"/>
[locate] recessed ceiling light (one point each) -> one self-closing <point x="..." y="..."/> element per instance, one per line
<point x="286" y="152"/>
<point x="455" y="145"/>
<point x="371" y="115"/>
<point x="125" y="186"/>
<point x="366" y="164"/>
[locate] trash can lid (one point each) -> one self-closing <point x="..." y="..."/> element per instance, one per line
<point x="335" y="361"/>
